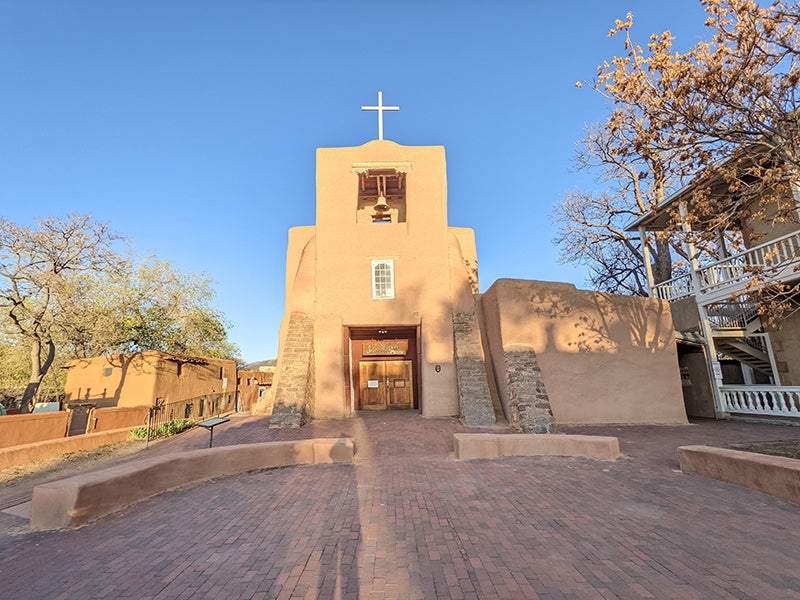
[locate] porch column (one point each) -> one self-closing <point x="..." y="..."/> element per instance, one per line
<point x="714" y="368"/>
<point x="648" y="267"/>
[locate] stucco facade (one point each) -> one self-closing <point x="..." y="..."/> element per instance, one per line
<point x="604" y="358"/>
<point x="144" y="378"/>
<point x="330" y="277"/>
<point x="383" y="311"/>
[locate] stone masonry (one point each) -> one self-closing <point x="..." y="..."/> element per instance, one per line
<point x="295" y="380"/>
<point x="474" y="398"/>
<point x="528" y="406"/>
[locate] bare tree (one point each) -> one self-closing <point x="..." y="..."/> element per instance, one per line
<point x="722" y="115"/>
<point x="36" y="266"/>
<point x="635" y="158"/>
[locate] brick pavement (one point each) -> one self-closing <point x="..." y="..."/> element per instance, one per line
<point x="407" y="521"/>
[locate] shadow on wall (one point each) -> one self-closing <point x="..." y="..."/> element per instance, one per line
<point x="603" y="358"/>
<point x="91" y="373"/>
<point x="575" y="320"/>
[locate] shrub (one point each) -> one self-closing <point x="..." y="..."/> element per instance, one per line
<point x="167" y="429"/>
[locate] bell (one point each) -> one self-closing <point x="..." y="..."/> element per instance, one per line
<point x="381" y="204"/>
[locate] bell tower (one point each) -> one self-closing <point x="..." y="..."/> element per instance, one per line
<point x="374" y="288"/>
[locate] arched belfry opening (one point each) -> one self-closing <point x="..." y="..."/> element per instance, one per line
<point x="381" y="194"/>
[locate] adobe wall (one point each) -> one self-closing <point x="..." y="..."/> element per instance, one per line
<point x="786" y="346"/>
<point x="603" y="358"/>
<point x="139" y="379"/>
<point x="118" y="417"/>
<point x="685" y="316"/>
<point x="329" y="276"/>
<point x="249" y="383"/>
<point x="115" y="380"/>
<point x="216" y="376"/>
<point x="419" y="248"/>
<point x="16" y="430"/>
<point x="39" y="451"/>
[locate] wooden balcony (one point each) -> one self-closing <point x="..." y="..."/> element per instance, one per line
<point x="777" y="261"/>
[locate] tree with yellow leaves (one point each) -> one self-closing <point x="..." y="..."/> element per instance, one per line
<point x="726" y="110"/>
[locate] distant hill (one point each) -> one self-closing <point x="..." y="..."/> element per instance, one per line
<point x="253" y="366"/>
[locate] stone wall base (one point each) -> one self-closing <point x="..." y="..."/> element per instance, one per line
<point x="474" y="399"/>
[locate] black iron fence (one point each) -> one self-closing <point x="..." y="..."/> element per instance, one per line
<point x="193" y="409"/>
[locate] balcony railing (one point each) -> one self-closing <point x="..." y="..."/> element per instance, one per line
<point x="731" y="316"/>
<point x="674" y="289"/>
<point x="764" y="400"/>
<point x="773" y="261"/>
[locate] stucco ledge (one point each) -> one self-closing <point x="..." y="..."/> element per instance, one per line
<point x="774" y="475"/>
<point x="495" y="445"/>
<point x="77" y="500"/>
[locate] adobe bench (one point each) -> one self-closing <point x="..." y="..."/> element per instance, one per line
<point x="492" y="445"/>
<point x="76" y="500"/>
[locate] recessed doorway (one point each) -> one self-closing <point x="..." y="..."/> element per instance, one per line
<point x="382" y="367"/>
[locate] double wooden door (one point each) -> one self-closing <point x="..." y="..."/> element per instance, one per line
<point x="385" y="384"/>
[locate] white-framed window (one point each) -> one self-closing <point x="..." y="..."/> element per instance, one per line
<point x="382" y="279"/>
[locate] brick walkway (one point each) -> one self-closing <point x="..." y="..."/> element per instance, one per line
<point x="406" y="521"/>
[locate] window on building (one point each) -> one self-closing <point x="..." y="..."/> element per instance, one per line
<point x="382" y="279"/>
<point x="107" y="371"/>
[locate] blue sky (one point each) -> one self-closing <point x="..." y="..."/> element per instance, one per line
<point x="192" y="125"/>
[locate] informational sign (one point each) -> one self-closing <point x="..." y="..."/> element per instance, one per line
<point x="224" y="383"/>
<point x="385" y="348"/>
<point x="716" y="370"/>
<point x="372" y="383"/>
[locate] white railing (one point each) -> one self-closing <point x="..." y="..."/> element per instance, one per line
<point x="772" y="260"/>
<point x="765" y="400"/>
<point x="731" y="315"/>
<point x="674" y="289"/>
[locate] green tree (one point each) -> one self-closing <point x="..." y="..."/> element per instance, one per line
<point x="67" y="294"/>
<point x="37" y="264"/>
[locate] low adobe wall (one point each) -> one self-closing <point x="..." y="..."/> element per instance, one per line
<point x="77" y="500"/>
<point x="16" y="430"/>
<point x="491" y="445"/>
<point x="603" y="358"/>
<point x="24" y="454"/>
<point x="117" y="417"/>
<point x="774" y="475"/>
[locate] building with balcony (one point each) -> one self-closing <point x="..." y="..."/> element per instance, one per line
<point x="732" y="360"/>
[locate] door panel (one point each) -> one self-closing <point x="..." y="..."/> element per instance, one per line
<point x="399" y="387"/>
<point x="372" y="377"/>
<point x="385" y="384"/>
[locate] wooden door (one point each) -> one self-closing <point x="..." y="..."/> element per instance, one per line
<point x="399" y="387"/>
<point x="372" y="377"/>
<point x="385" y="384"/>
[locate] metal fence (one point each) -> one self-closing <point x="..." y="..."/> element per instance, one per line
<point x="194" y="409"/>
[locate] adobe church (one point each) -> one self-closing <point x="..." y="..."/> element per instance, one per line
<point x="383" y="312"/>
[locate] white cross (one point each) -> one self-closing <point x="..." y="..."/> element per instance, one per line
<point x="380" y="108"/>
